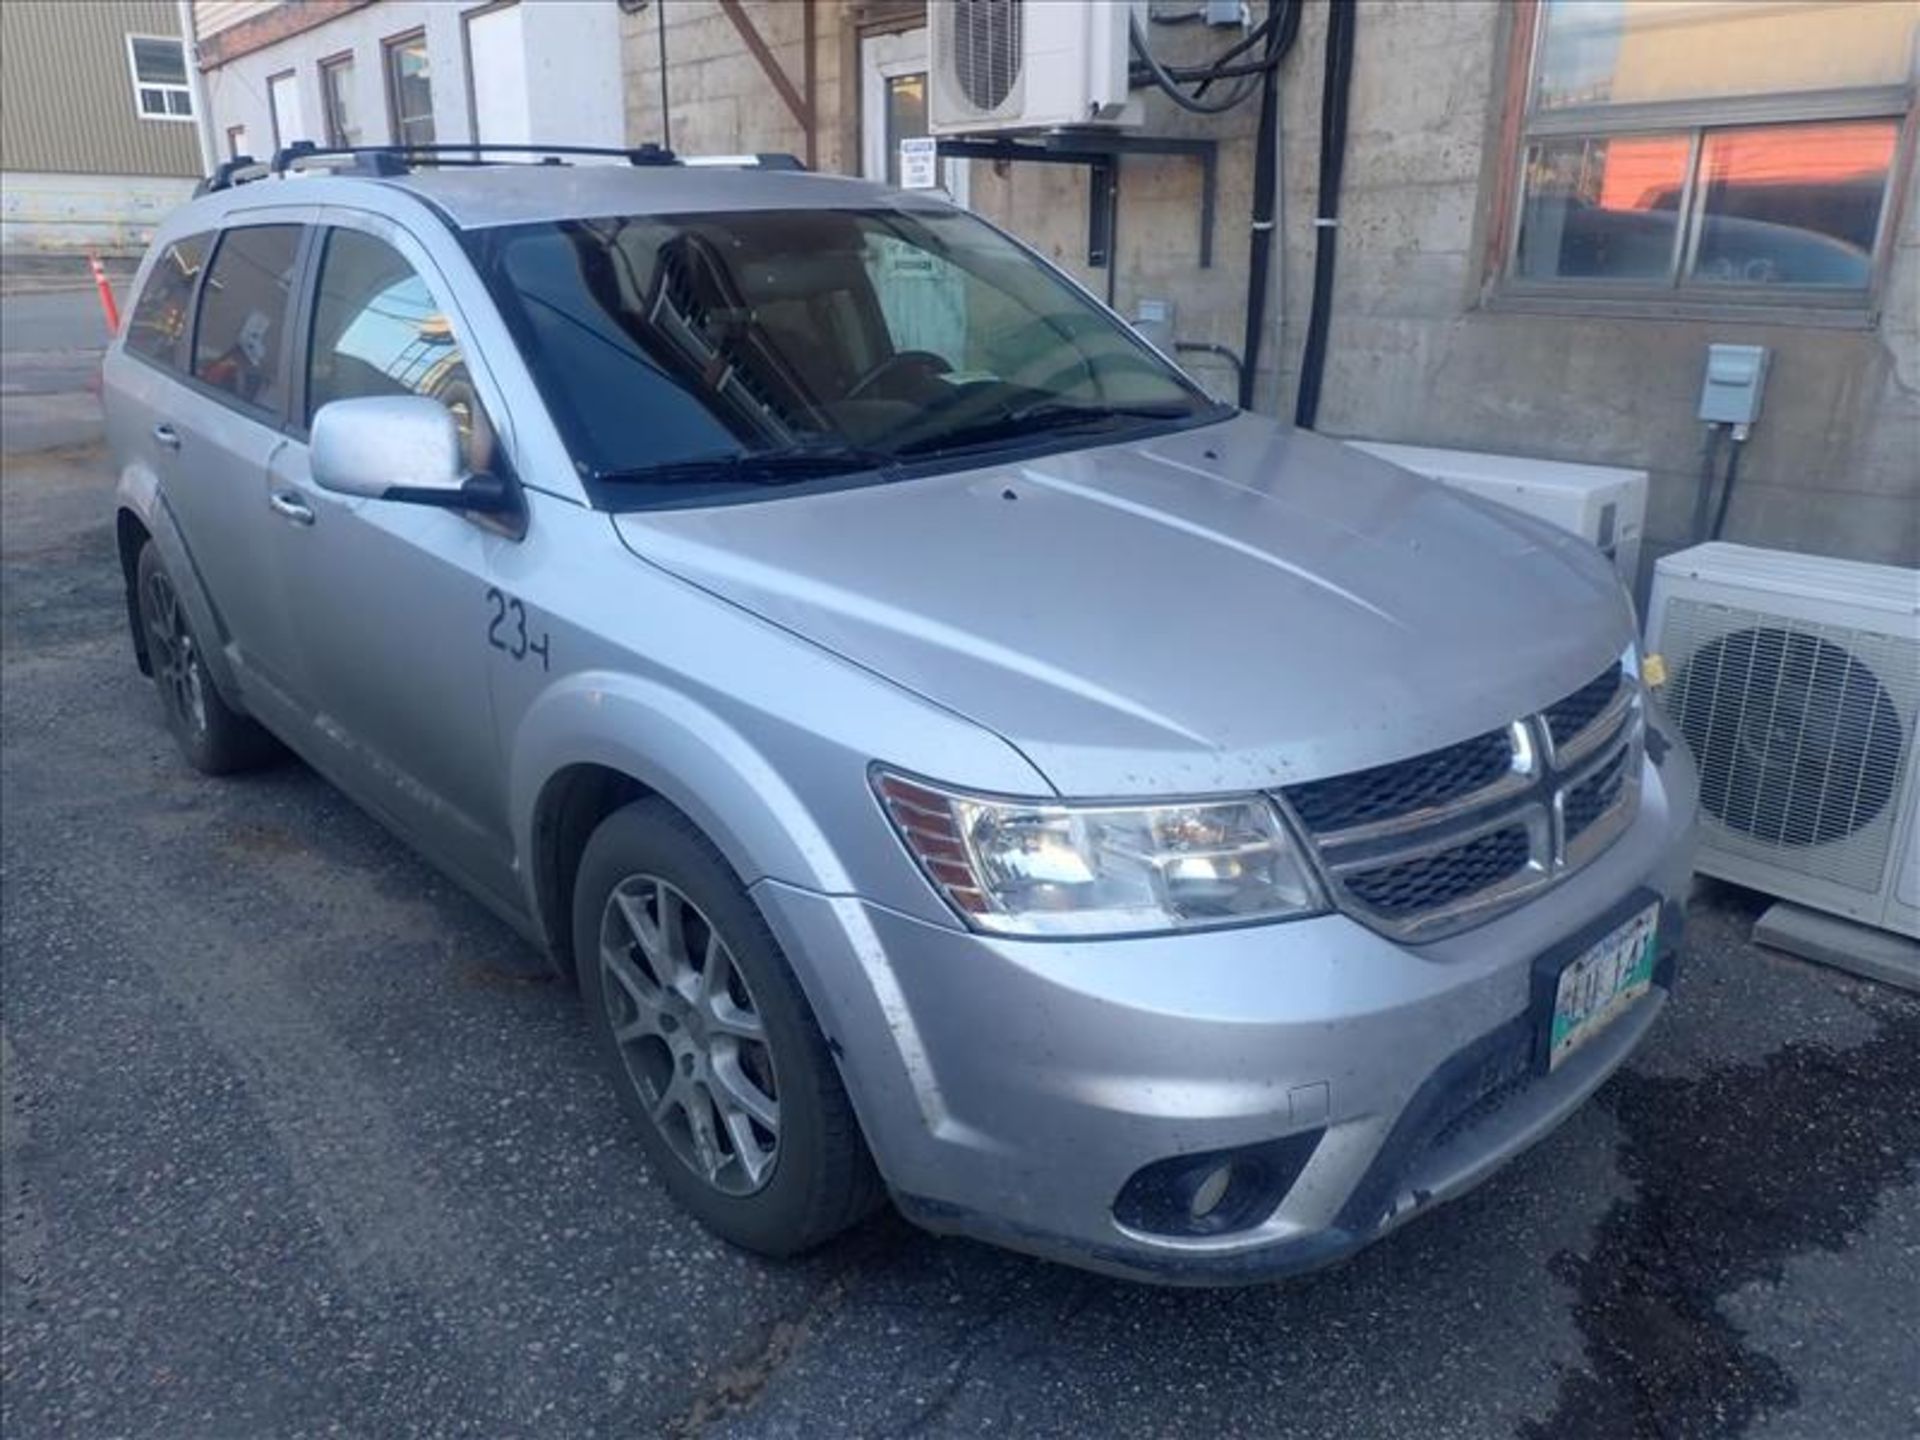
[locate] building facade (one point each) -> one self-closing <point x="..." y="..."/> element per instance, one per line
<point x="1549" y="211"/>
<point x="1550" y="208"/>
<point x="97" y="137"/>
<point x="349" y="72"/>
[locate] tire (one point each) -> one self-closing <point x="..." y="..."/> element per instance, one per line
<point x="215" y="738"/>
<point x="777" y="1165"/>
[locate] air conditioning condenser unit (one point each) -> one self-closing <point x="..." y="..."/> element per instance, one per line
<point x="1603" y="504"/>
<point x="1796" y="683"/>
<point x="1001" y="66"/>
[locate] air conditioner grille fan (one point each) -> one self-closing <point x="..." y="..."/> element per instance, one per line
<point x="984" y="49"/>
<point x="1802" y="732"/>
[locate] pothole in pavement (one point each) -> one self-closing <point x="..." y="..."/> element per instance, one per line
<point x="1735" y="1171"/>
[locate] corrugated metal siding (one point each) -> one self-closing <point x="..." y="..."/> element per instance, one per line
<point x="66" y="96"/>
<point x="212" y="16"/>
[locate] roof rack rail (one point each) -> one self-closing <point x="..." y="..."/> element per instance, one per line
<point x="398" y="159"/>
<point x="389" y="160"/>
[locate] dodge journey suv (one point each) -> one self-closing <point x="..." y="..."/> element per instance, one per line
<point x="955" y="758"/>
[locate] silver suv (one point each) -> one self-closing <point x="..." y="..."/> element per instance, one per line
<point x="956" y="759"/>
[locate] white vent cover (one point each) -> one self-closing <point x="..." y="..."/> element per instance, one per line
<point x="1603" y="504"/>
<point x="982" y="46"/>
<point x="1796" y="684"/>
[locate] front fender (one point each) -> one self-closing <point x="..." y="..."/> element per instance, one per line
<point x="682" y="751"/>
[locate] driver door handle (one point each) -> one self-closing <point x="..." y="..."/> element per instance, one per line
<point x="289" y="504"/>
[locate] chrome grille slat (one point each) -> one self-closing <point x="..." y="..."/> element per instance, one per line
<point x="1435" y="864"/>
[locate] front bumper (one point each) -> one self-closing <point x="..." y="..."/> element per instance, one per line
<point x="1010" y="1088"/>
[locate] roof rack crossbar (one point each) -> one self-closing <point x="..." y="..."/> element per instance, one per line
<point x="376" y="158"/>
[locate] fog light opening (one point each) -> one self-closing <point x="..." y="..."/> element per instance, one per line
<point x="1211" y="1190"/>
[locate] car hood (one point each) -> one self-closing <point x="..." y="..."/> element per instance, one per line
<point x="1236" y="606"/>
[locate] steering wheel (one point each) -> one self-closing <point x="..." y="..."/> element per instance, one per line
<point x="925" y="361"/>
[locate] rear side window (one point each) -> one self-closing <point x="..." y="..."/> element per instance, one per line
<point x="238" y="345"/>
<point x="161" y="316"/>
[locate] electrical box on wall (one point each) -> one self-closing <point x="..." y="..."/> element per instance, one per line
<point x="996" y="68"/>
<point x="1736" y="378"/>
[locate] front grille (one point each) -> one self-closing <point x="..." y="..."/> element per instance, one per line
<point x="1594" y="796"/>
<point x="1423" y="847"/>
<point x="1431" y="882"/>
<point x="1387" y="792"/>
<point x="1567" y="718"/>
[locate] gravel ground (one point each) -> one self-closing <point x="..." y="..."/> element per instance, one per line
<point x="298" y="1140"/>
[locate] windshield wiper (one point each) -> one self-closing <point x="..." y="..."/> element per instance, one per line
<point x="787" y="465"/>
<point x="1046" y="418"/>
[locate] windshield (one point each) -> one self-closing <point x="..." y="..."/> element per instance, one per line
<point x="778" y="345"/>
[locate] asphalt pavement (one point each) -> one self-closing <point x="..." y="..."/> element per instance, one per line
<point x="297" y="1140"/>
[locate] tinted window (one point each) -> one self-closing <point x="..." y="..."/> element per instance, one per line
<point x="243" y="314"/>
<point x="378" y="331"/>
<point x="158" y="326"/>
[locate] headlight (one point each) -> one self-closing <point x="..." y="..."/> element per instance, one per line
<point x="1020" y="867"/>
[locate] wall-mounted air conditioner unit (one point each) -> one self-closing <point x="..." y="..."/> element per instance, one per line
<point x="1009" y="65"/>
<point x="1796" y="682"/>
<point x="1601" y="503"/>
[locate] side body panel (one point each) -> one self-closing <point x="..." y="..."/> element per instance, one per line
<point x="389" y="607"/>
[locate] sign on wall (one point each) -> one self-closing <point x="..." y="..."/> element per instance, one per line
<point x="919" y="165"/>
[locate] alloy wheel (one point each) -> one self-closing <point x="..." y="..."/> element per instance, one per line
<point x="170" y="648"/>
<point x="690" y="1034"/>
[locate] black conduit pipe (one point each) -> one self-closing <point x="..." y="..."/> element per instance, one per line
<point x="1280" y="40"/>
<point x="1726" y="488"/>
<point x="1703" y="495"/>
<point x="1333" y="152"/>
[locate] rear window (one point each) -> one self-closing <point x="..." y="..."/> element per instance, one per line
<point x="239" y="344"/>
<point x="162" y="315"/>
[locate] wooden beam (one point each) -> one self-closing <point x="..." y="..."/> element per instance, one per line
<point x="801" y="106"/>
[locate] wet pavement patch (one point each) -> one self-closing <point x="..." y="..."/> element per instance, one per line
<point x="1736" y="1171"/>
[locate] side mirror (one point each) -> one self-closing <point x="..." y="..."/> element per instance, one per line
<point x="399" y="447"/>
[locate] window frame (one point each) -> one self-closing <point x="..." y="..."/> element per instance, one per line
<point x="1693" y="119"/>
<point x="324" y="70"/>
<point x="390" y="82"/>
<point x="166" y="87"/>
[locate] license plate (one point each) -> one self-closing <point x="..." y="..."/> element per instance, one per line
<point x="1601" y="983"/>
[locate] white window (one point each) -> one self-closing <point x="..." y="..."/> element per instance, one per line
<point x="159" y="68"/>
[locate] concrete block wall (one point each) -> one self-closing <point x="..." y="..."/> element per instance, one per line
<point x="719" y="100"/>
